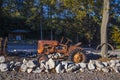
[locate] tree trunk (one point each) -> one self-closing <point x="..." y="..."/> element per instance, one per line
<point x="41" y="22"/>
<point x="1" y="3"/>
<point x="51" y="33"/>
<point x="104" y="27"/>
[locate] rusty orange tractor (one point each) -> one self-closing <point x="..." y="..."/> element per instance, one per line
<point x="74" y="53"/>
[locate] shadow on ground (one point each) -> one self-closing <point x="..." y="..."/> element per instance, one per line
<point x="92" y="56"/>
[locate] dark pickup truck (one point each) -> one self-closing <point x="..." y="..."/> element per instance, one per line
<point x="22" y="48"/>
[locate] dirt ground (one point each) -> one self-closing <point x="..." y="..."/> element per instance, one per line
<point x="89" y="75"/>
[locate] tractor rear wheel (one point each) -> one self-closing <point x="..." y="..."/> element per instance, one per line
<point x="77" y="56"/>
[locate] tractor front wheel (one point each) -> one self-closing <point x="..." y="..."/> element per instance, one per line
<point x="77" y="56"/>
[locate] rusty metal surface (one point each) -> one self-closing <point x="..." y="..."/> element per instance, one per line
<point x="51" y="46"/>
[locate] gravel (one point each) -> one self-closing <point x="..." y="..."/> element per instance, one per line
<point x="89" y="75"/>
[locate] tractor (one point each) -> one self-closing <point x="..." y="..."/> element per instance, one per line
<point x="45" y="47"/>
<point x="74" y="52"/>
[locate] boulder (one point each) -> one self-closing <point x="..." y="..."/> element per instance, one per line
<point x="23" y="68"/>
<point x="30" y="64"/>
<point x="29" y="70"/>
<point x="82" y="69"/>
<point x="98" y="69"/>
<point x="91" y="65"/>
<point x="37" y="70"/>
<point x="73" y="68"/>
<point x="117" y="69"/>
<point x="50" y="63"/>
<point x="83" y="65"/>
<point x="117" y="64"/>
<point x="76" y="67"/>
<point x="56" y="56"/>
<point x="105" y="64"/>
<point x="99" y="64"/>
<point x="43" y="67"/>
<point x="18" y="63"/>
<point x="2" y="59"/>
<point x="50" y="56"/>
<point x="113" y="63"/>
<point x="59" y="55"/>
<point x="58" y="68"/>
<point x="3" y="67"/>
<point x="105" y="69"/>
<point x="25" y="61"/>
<point x="17" y="66"/>
<point x="11" y="65"/>
<point x="67" y="64"/>
<point x="12" y="62"/>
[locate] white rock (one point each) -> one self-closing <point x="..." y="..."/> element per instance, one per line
<point x="117" y="69"/>
<point x="42" y="65"/>
<point x="59" y="55"/>
<point x="114" y="61"/>
<point x="99" y="64"/>
<point x="37" y="70"/>
<point x="16" y="68"/>
<point x="49" y="56"/>
<point x="76" y="67"/>
<point x="112" y="65"/>
<point x="29" y="70"/>
<point x="50" y="63"/>
<point x="58" y="68"/>
<point x="11" y="62"/>
<point x="70" y="65"/>
<point x="30" y="64"/>
<point x="105" y="64"/>
<point x="105" y="70"/>
<point x="65" y="64"/>
<point x="47" y="69"/>
<point x="83" y="65"/>
<point x="3" y="67"/>
<point x="17" y="63"/>
<point x="117" y="64"/>
<point x="69" y="70"/>
<point x="2" y="59"/>
<point x="25" y="61"/>
<point x="117" y="61"/>
<point x="82" y="70"/>
<point x="91" y="65"/>
<point x="73" y="68"/>
<point x="23" y="68"/>
<point x="99" y="69"/>
<point x="56" y="56"/>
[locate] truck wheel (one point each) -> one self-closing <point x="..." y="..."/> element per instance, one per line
<point x="77" y="56"/>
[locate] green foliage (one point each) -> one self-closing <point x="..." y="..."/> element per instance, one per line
<point x="115" y="35"/>
<point x="69" y="18"/>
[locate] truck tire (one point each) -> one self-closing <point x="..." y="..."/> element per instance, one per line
<point x="77" y="56"/>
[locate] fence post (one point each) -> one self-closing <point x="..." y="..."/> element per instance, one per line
<point x="1" y="47"/>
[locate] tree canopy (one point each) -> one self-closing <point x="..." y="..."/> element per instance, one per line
<point x="79" y="20"/>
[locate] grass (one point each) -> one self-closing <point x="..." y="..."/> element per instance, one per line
<point x="118" y="47"/>
<point x="105" y="59"/>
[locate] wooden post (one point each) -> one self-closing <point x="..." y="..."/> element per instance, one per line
<point x="5" y="45"/>
<point x="1" y="45"/>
